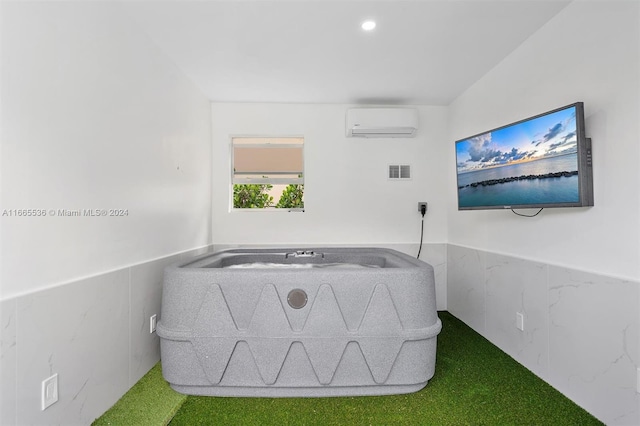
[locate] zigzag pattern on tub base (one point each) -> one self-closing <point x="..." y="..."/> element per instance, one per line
<point x="324" y="353"/>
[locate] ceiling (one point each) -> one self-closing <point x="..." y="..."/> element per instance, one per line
<point x="421" y="52"/>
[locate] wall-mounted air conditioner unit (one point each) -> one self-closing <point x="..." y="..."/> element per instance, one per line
<point x="382" y="122"/>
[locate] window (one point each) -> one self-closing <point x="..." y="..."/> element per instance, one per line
<point x="268" y="173"/>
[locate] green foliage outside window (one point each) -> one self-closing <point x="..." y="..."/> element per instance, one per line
<point x="256" y="196"/>
<point x="252" y="196"/>
<point x="291" y="197"/>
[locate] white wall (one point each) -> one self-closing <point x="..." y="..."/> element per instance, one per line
<point x="94" y="116"/>
<point x="574" y="273"/>
<point x="588" y="52"/>
<point x="348" y="198"/>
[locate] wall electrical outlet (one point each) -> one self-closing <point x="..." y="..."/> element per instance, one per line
<point x="49" y="391"/>
<point x="152" y="324"/>
<point x="520" y="321"/>
<point x="420" y="204"/>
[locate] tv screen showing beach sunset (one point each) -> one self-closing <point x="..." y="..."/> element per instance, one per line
<point x="532" y="162"/>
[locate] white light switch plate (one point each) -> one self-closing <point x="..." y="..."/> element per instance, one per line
<point x="49" y="391"/>
<point x="520" y="321"/>
<point x="152" y="324"/>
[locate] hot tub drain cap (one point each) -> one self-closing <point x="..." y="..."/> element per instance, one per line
<point x="297" y="298"/>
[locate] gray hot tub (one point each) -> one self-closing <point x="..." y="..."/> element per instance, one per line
<point x="287" y="322"/>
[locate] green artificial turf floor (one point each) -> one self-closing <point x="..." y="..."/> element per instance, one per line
<point x="475" y="384"/>
<point x="150" y="402"/>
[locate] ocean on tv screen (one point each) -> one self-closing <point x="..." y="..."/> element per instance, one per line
<point x="547" y="181"/>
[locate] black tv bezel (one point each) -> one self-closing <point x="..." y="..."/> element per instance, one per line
<point x="585" y="167"/>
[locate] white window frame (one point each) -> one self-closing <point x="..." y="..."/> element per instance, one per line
<point x="235" y="180"/>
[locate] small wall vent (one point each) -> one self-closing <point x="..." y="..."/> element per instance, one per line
<point x="399" y="171"/>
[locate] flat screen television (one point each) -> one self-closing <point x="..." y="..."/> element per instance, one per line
<point x="539" y="162"/>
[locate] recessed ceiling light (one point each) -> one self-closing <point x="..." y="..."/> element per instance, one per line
<point x="368" y="25"/>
